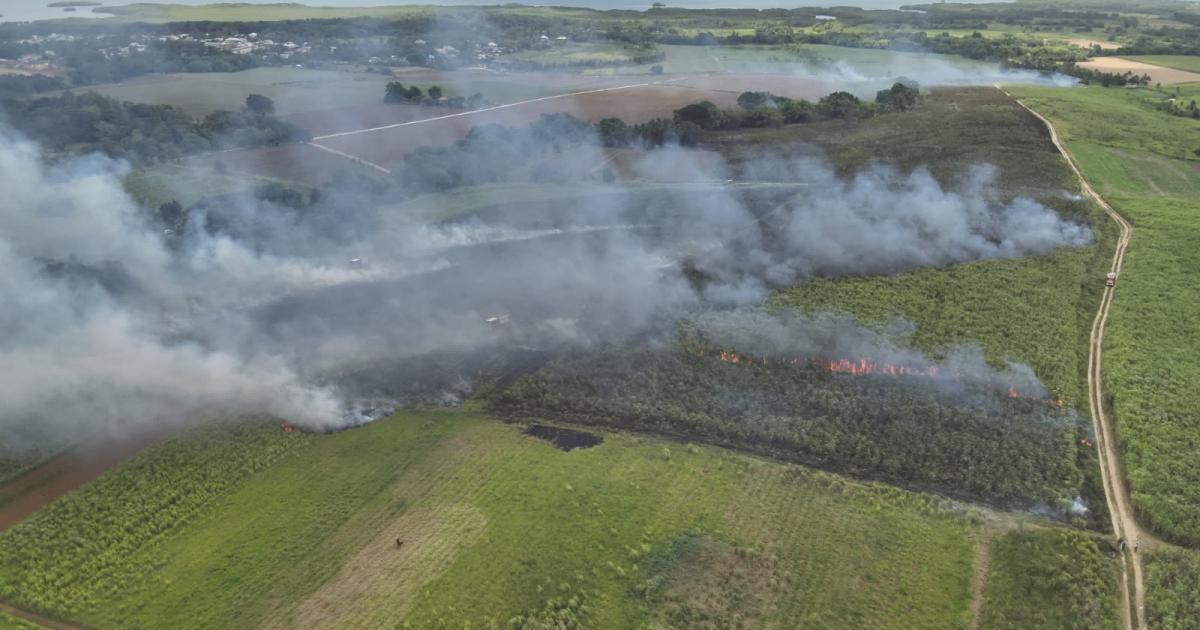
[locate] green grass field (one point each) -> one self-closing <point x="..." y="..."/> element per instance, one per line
<point x="1173" y="589"/>
<point x="586" y="52"/>
<point x="495" y="525"/>
<point x="1050" y="579"/>
<point x="1145" y="167"/>
<point x="9" y="622"/>
<point x="1141" y="167"/>
<point x="1190" y="63"/>
<point x="157" y="185"/>
<point x="294" y="90"/>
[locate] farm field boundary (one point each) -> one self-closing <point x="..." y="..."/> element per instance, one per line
<point x="1117" y="494"/>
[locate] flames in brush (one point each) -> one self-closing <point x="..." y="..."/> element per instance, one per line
<point x="855" y="367"/>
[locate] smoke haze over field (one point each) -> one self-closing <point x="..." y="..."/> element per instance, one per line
<point x="787" y="334"/>
<point x="109" y="324"/>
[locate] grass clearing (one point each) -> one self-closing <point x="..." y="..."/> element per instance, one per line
<point x="294" y="90"/>
<point x="580" y="53"/>
<point x="160" y="184"/>
<point x="1154" y="335"/>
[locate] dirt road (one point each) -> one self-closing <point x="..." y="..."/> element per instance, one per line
<point x="1116" y="493"/>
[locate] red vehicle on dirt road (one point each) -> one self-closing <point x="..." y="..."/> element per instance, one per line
<point x="1110" y="279"/>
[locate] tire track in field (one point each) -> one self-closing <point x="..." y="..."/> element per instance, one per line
<point x="1116" y="492"/>
<point x="983" y="561"/>
<point x="39" y="620"/>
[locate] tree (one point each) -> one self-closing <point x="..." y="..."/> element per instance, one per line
<point x="172" y="215"/>
<point x="435" y="93"/>
<point x="687" y="133"/>
<point x="413" y="93"/>
<point x="800" y="111"/>
<point x="898" y="98"/>
<point x="260" y="105"/>
<point x="842" y="105"/>
<point x="705" y="114"/>
<point x="395" y="92"/>
<point x="613" y="132"/>
<point x="762" y="117"/>
<point x="754" y="100"/>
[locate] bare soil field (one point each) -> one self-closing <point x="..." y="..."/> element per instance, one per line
<point x="327" y="121"/>
<point x="1088" y="43"/>
<point x="1158" y="74"/>
<point x="635" y="103"/>
<point x="778" y="84"/>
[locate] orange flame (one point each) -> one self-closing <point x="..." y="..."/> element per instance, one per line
<point x="860" y="367"/>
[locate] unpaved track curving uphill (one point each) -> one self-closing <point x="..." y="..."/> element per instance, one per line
<point x="1116" y="493"/>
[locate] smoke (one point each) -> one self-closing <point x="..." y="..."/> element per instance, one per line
<point x="884" y="221"/>
<point x="331" y="313"/>
<point x="90" y="302"/>
<point x="925" y="69"/>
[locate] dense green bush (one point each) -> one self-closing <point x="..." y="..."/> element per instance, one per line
<point x="142" y="134"/>
<point x="973" y="443"/>
<point x="1173" y="589"/>
<point x="1051" y="578"/>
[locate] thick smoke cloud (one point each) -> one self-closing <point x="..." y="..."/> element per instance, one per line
<point x="326" y="316"/>
<point x="91" y="301"/>
<point x="883" y="221"/>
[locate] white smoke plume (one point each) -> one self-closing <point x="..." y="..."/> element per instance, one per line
<point x="311" y="315"/>
<point x="926" y="69"/>
<point x="89" y="298"/>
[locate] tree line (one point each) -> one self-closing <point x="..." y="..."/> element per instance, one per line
<point x="144" y="134"/>
<point x="491" y="153"/>
<point x="396" y="92"/>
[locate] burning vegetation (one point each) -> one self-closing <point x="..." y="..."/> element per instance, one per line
<point x="776" y="384"/>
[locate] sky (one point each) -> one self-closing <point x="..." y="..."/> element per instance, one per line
<point x="19" y="10"/>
